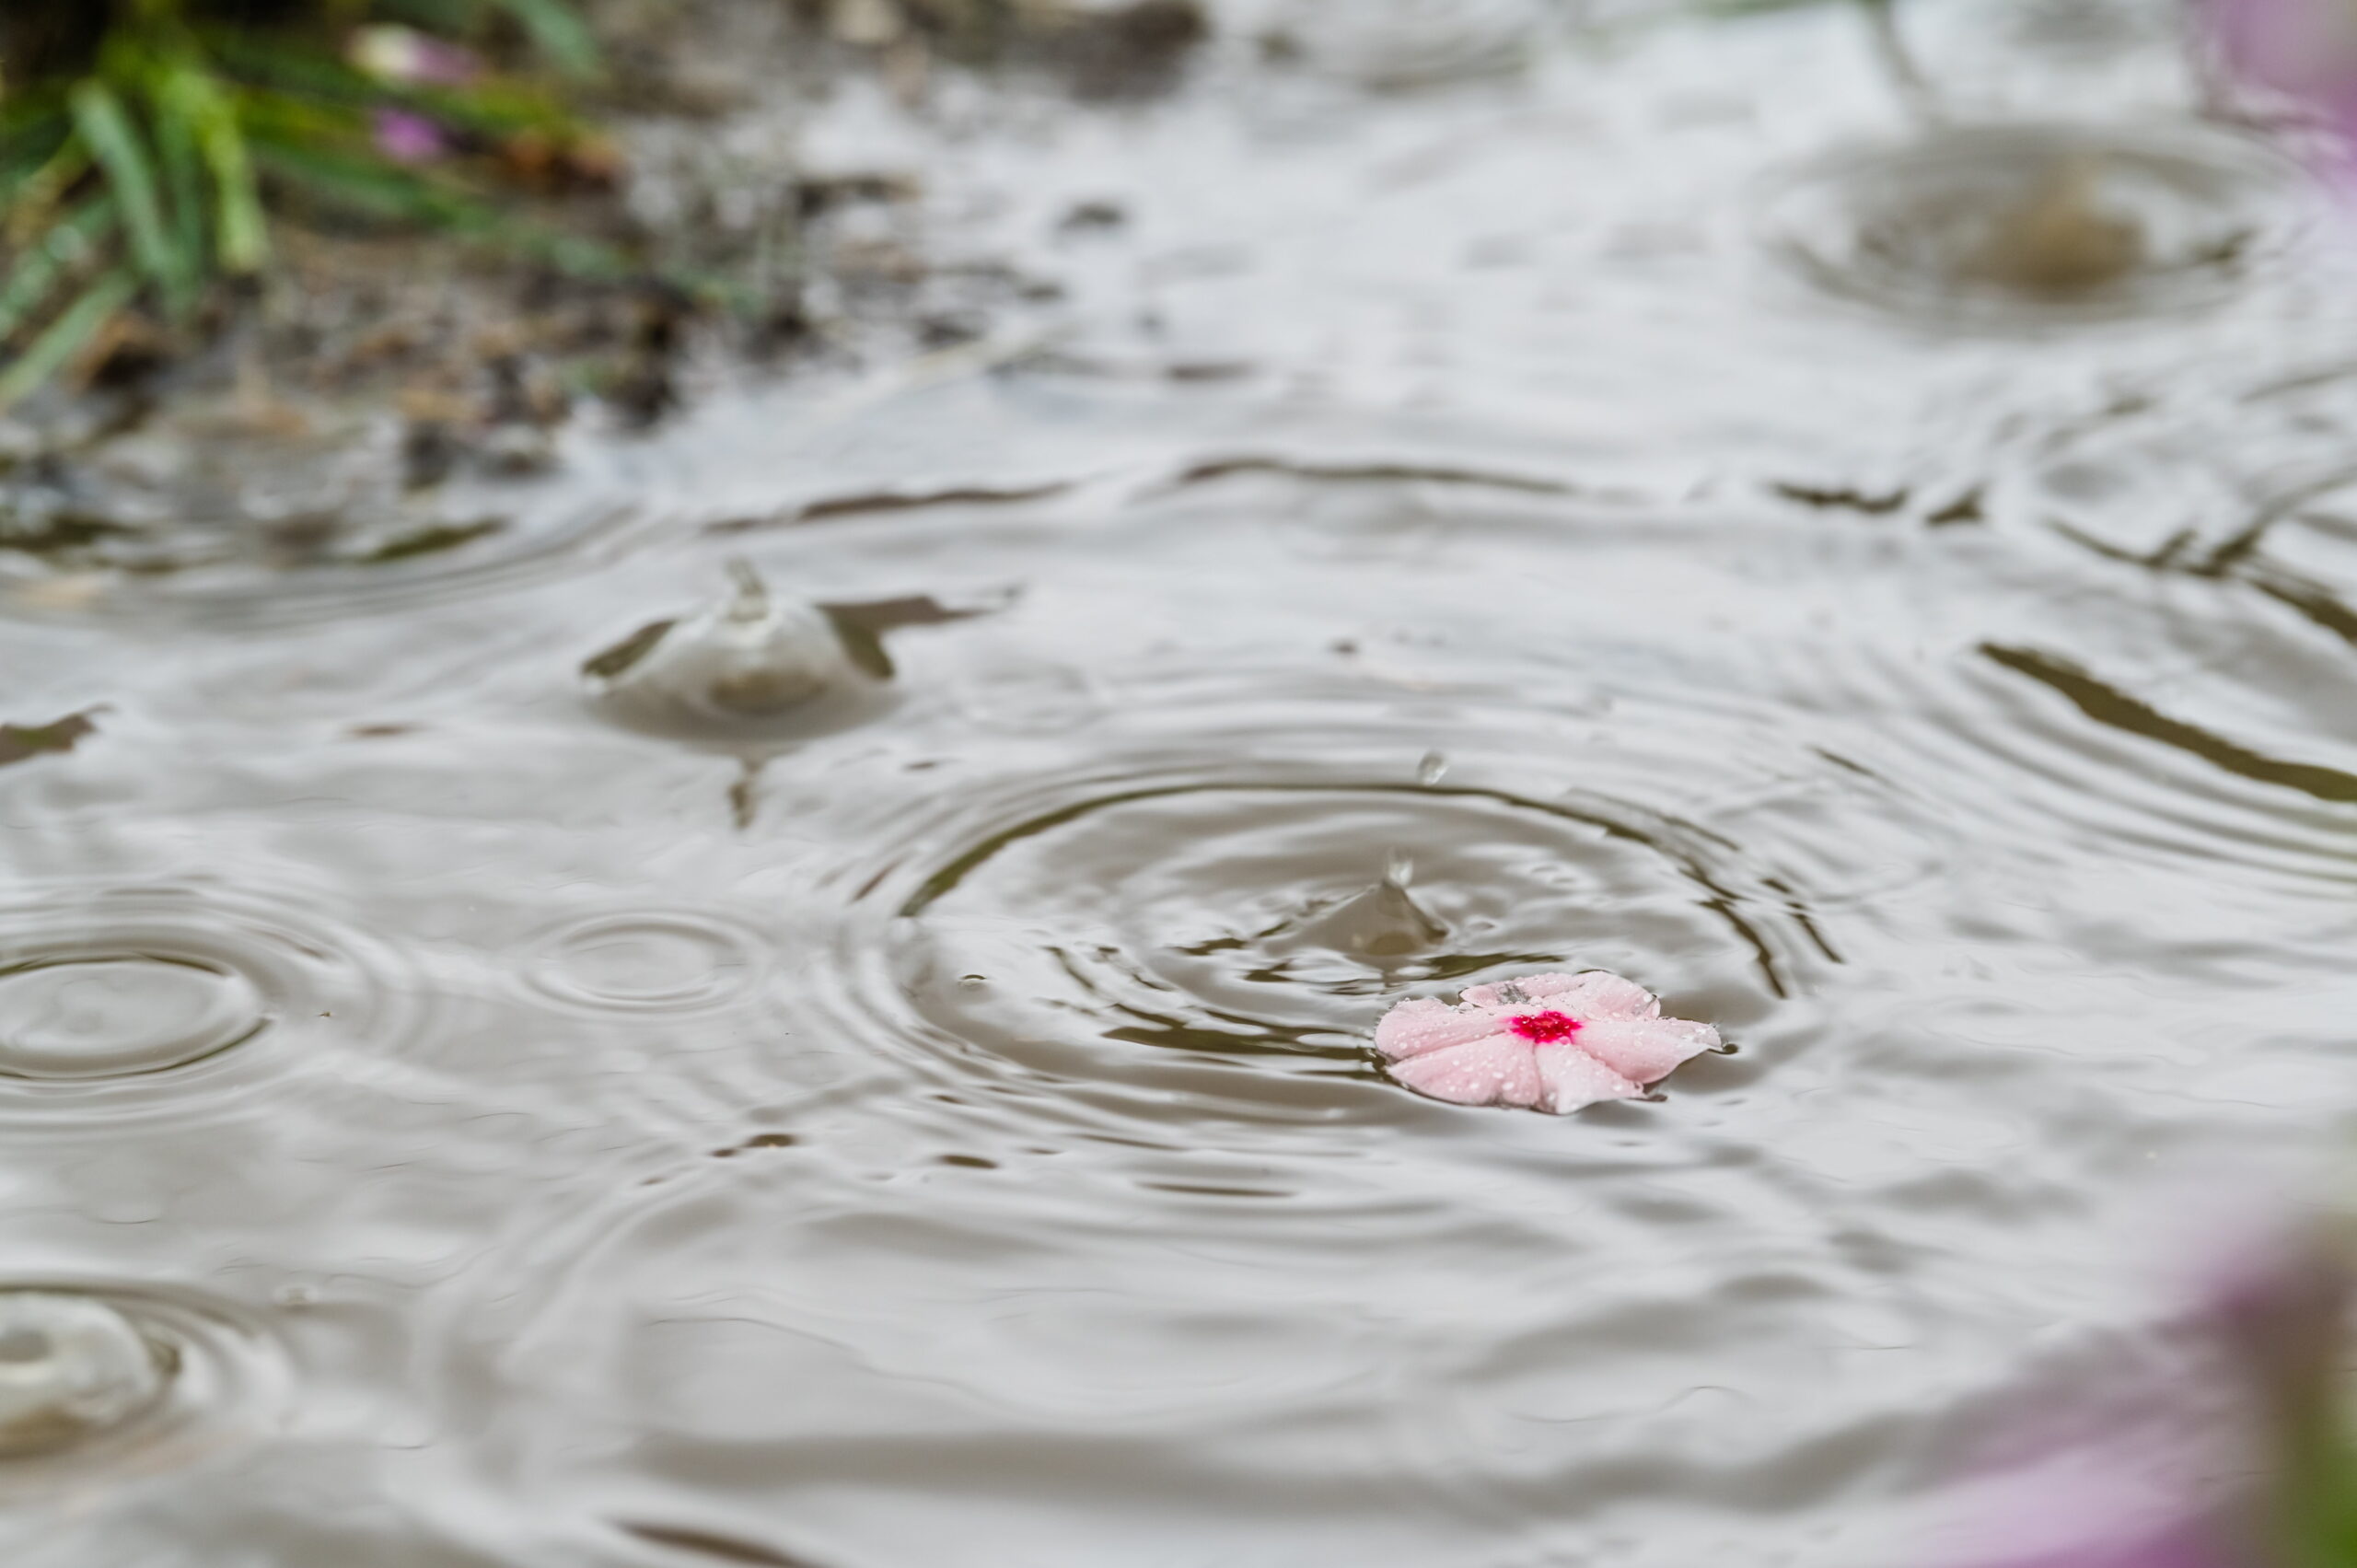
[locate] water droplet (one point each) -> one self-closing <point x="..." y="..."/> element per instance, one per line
<point x="107" y="1015"/>
<point x="1432" y="769"/>
<point x="70" y="1368"/>
<point x="1400" y="869"/>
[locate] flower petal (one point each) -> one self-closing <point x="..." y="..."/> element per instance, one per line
<point x="1573" y="1079"/>
<point x="1595" y="995"/>
<point x="1422" y="1024"/>
<point x="1645" y="1051"/>
<point x="1495" y="1069"/>
<point x="1526" y="991"/>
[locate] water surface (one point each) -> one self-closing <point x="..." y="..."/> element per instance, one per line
<point x="1443" y="532"/>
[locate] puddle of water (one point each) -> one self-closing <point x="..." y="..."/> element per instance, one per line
<point x="604" y="1055"/>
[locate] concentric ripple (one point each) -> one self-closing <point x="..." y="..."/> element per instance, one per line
<point x="2006" y="224"/>
<point x="101" y="1016"/>
<point x="97" y="1379"/>
<point x="2196" y="474"/>
<point x="659" y="961"/>
<point x="126" y="1000"/>
<point x="2081" y="718"/>
<point x="2193" y="546"/>
<point x="1226" y="921"/>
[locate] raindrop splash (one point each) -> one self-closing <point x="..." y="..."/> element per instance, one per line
<point x="70" y="1368"/>
<point x="755" y="666"/>
<point x="2003" y="225"/>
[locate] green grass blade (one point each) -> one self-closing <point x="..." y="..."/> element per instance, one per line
<point x="366" y="185"/>
<point x="370" y="187"/>
<point x="30" y="205"/>
<point x="434" y="15"/>
<point x="267" y="115"/>
<point x="244" y="229"/>
<point x="242" y="233"/>
<point x="255" y="56"/>
<point x="29" y="109"/>
<point x="183" y="173"/>
<point x="26" y="144"/>
<point x="557" y="31"/>
<point x="113" y="140"/>
<point x="42" y="271"/>
<point x="68" y="335"/>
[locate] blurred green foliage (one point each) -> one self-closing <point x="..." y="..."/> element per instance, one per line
<point x="147" y="144"/>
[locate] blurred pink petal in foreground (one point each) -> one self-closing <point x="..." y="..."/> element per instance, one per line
<point x="2306" y="49"/>
<point x="408" y="138"/>
<point x="2259" y="1426"/>
<point x="2191" y="1542"/>
<point x="1553" y="1042"/>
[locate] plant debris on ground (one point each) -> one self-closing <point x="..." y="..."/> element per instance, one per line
<point x="278" y="224"/>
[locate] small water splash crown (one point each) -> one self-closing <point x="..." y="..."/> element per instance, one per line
<point x="751" y="657"/>
<point x="71" y="1368"/>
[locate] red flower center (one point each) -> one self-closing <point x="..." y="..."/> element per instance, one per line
<point x="1544" y="1029"/>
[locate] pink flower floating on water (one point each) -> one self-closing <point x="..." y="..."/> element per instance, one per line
<point x="1553" y="1042"/>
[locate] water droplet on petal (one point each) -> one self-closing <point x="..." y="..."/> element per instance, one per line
<point x="1432" y="769"/>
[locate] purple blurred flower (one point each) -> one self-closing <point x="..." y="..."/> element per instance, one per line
<point x="410" y="58"/>
<point x="2185" y="1543"/>
<point x="405" y="137"/>
<point x="2266" y="1405"/>
<point x="2280" y="1309"/>
<point x="2305" y="49"/>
